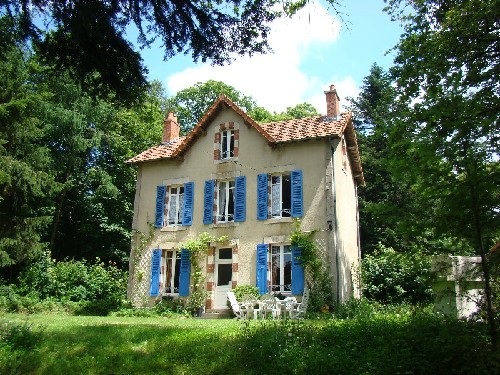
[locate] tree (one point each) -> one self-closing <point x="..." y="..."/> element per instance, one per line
<point x="87" y="37"/>
<point x="302" y="110"/>
<point x="384" y="197"/>
<point x="191" y="104"/>
<point x="27" y="179"/>
<point x="446" y="70"/>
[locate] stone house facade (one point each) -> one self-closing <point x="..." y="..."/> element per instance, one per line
<point x="231" y="176"/>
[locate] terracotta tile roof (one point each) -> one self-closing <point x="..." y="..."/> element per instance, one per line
<point x="306" y="128"/>
<point x="162" y="151"/>
<point x="274" y="132"/>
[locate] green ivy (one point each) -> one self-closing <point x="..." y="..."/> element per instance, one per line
<point x="198" y="248"/>
<point x="321" y="289"/>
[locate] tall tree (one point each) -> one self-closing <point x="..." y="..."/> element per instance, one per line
<point x="191" y="103"/>
<point x="27" y="176"/>
<point x="384" y="197"/>
<point x="87" y="36"/>
<point x="447" y="75"/>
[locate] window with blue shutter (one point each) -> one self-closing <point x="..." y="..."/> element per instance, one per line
<point x="262" y="196"/>
<point x="208" y="202"/>
<point x="297" y="207"/>
<point x="240" y="199"/>
<point x="160" y="206"/>
<point x="154" y="285"/>
<point x="261" y="277"/>
<point x="185" y="273"/>
<point x="187" y="213"/>
<point x="297" y="271"/>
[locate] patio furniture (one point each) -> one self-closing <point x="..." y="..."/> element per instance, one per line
<point x="268" y="307"/>
<point x="287" y="306"/>
<point x="250" y="304"/>
<point x="240" y="311"/>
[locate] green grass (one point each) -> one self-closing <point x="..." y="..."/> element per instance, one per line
<point x="388" y="344"/>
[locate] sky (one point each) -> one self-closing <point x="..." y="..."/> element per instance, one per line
<point x="311" y="51"/>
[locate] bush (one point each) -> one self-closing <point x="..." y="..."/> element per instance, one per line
<point x="241" y="290"/>
<point x="391" y="277"/>
<point x="80" y="286"/>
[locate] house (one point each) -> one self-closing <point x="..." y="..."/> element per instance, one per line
<point x="231" y="176"/>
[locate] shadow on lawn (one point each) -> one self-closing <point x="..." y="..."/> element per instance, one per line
<point x="419" y="345"/>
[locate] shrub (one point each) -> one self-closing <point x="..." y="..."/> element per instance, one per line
<point x="389" y="276"/>
<point x="241" y="290"/>
<point x="86" y="288"/>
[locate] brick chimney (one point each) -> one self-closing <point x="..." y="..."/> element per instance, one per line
<point x="332" y="103"/>
<point x="171" y="128"/>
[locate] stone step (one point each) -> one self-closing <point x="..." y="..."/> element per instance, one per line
<point x="217" y="314"/>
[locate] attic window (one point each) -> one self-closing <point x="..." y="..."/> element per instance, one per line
<point x="226" y="142"/>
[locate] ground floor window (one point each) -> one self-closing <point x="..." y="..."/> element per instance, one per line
<point x="170" y="270"/>
<point x="281" y="268"/>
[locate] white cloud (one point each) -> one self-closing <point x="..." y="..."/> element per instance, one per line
<point x="275" y="80"/>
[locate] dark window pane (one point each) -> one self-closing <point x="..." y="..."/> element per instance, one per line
<point x="224" y="274"/>
<point x="286" y="196"/>
<point x="225" y="253"/>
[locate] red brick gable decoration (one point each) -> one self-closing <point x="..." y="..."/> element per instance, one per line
<point x="296" y="130"/>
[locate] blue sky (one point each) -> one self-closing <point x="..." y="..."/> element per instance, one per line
<point x="312" y="50"/>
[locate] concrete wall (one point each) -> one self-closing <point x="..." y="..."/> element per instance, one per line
<point x="459" y="286"/>
<point x="255" y="156"/>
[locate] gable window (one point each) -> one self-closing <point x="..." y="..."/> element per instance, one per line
<point x="227" y="144"/>
<point x="225" y="206"/>
<point x="175" y="205"/>
<point x="281" y="199"/>
<point x="281" y="268"/>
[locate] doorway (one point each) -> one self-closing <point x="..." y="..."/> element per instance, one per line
<point x="223" y="276"/>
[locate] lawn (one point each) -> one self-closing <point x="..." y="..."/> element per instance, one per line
<point x="390" y="344"/>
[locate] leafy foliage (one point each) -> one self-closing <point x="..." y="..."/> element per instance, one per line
<point x="191" y="104"/>
<point x="321" y="296"/>
<point x="97" y="288"/>
<point x="242" y="290"/>
<point x="88" y="37"/>
<point x="395" y="277"/>
<point x="198" y="248"/>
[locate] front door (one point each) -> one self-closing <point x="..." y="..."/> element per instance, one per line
<point x="223" y="276"/>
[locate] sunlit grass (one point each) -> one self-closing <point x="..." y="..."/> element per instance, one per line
<point x="388" y="344"/>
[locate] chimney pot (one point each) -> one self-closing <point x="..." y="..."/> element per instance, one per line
<point x="171" y="129"/>
<point x="332" y="103"/>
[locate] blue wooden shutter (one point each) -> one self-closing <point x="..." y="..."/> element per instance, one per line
<point x="297" y="207"/>
<point x="297" y="271"/>
<point x="187" y="210"/>
<point x="240" y="198"/>
<point x="208" y="202"/>
<point x="261" y="276"/>
<point x="185" y="273"/>
<point x="160" y="205"/>
<point x="262" y="197"/>
<point x="154" y="285"/>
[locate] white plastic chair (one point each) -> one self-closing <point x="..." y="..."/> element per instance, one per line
<point x="300" y="309"/>
<point x="288" y="306"/>
<point x="240" y="311"/>
<point x="268" y="306"/>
